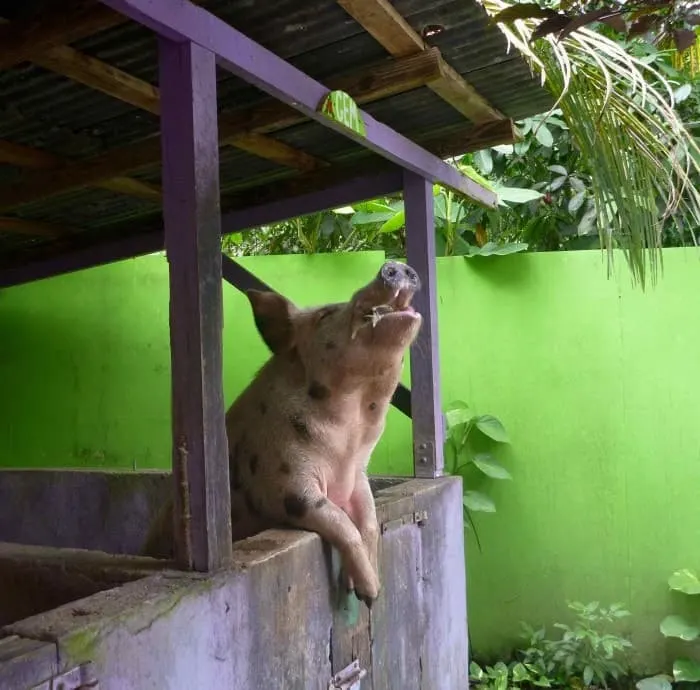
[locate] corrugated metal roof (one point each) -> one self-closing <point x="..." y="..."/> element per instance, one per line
<point x="47" y="111"/>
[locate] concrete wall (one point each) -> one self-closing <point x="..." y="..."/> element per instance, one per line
<point x="595" y="382"/>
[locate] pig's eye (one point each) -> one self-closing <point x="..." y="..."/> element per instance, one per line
<point x="325" y="314"/>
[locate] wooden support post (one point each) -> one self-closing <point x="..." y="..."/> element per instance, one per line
<point x="192" y="240"/>
<point x="426" y="408"/>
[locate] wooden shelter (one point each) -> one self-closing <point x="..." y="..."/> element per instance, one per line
<point x="97" y="164"/>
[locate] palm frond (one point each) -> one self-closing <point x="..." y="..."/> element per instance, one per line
<point x="620" y="112"/>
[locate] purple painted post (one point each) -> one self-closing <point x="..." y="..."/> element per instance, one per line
<point x="192" y="239"/>
<point x="426" y="408"/>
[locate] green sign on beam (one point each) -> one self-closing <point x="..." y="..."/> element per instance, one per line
<point x="339" y="106"/>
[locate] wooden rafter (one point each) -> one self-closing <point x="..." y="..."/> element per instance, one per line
<point x="35" y="159"/>
<point x="32" y="227"/>
<point x="393" y="77"/>
<point x="380" y="19"/>
<point x="114" y="82"/>
<point x="57" y="24"/>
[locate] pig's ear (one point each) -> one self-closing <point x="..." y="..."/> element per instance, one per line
<point x="273" y="315"/>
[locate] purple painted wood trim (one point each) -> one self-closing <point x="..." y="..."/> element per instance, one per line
<point x="353" y="190"/>
<point x="242" y="279"/>
<point x="428" y="430"/>
<point x="192" y="237"/>
<point x="77" y="260"/>
<point x="346" y="192"/>
<point x="183" y="21"/>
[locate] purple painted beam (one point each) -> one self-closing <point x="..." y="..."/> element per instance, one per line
<point x="428" y="427"/>
<point x="348" y="192"/>
<point x="345" y="192"/>
<point x="242" y="279"/>
<point x="192" y="238"/>
<point x="183" y="21"/>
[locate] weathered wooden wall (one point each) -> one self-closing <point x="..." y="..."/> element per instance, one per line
<point x="275" y="619"/>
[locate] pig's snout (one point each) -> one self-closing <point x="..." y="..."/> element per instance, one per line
<point x="398" y="276"/>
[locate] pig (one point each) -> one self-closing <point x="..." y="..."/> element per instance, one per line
<point x="302" y="433"/>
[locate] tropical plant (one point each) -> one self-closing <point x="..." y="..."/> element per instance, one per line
<point x="685" y="670"/>
<point x="585" y="655"/>
<point x="462" y="458"/>
<point x="620" y="114"/>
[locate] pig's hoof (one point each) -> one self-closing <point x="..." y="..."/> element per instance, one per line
<point x="368" y="601"/>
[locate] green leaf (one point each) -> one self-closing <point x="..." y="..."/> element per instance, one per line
<point x="576" y="202"/>
<point x="587" y="675"/>
<point x="681" y="93"/>
<point x="490" y="467"/>
<point x="490" y="426"/>
<point x="559" y="170"/>
<point x="491" y="249"/>
<point x="520" y="673"/>
<point x="676" y="626"/>
<point x="518" y="195"/>
<point x="556" y="183"/>
<point x="364" y="218"/>
<point x="344" y="210"/>
<point x="483" y="161"/>
<point x="685" y="581"/>
<point x="660" y="682"/>
<point x="686" y="671"/>
<point x="458" y="415"/>
<point x="544" y="136"/>
<point x="475" y="671"/>
<point x="395" y="223"/>
<point x="478" y="502"/>
<point x="505" y="149"/>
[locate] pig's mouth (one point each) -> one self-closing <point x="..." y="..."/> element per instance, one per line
<point x="398" y="305"/>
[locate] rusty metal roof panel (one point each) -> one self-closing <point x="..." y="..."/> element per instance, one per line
<point x="47" y="111"/>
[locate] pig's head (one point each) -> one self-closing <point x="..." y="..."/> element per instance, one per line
<point x="367" y="334"/>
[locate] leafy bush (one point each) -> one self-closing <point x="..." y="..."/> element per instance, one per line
<point x="584" y="656"/>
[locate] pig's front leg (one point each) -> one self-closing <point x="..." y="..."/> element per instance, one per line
<point x="364" y="514"/>
<point x="311" y="510"/>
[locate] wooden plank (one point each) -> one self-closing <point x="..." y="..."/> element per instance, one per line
<point x="192" y="239"/>
<point x="52" y="25"/>
<point x="22" y="226"/>
<point x="380" y="19"/>
<point x="274" y="150"/>
<point x="426" y="404"/>
<point x="35" y="159"/>
<point x="99" y="75"/>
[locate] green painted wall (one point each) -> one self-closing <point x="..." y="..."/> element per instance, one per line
<point x="596" y="383"/>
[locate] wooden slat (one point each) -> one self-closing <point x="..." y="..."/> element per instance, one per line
<point x="380" y="19"/>
<point x="274" y="150"/>
<point x="57" y="24"/>
<point x="32" y="227"/>
<point x="35" y="159"/>
<point x="390" y="78"/>
<point x="99" y="75"/>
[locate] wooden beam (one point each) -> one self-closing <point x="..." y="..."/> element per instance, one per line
<point x="56" y="24"/>
<point x="274" y="150"/>
<point x="466" y="139"/>
<point x="192" y="239"/>
<point x="100" y="76"/>
<point x="32" y="227"/>
<point x="380" y="19"/>
<point x="35" y="159"/>
<point x="390" y="78"/>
